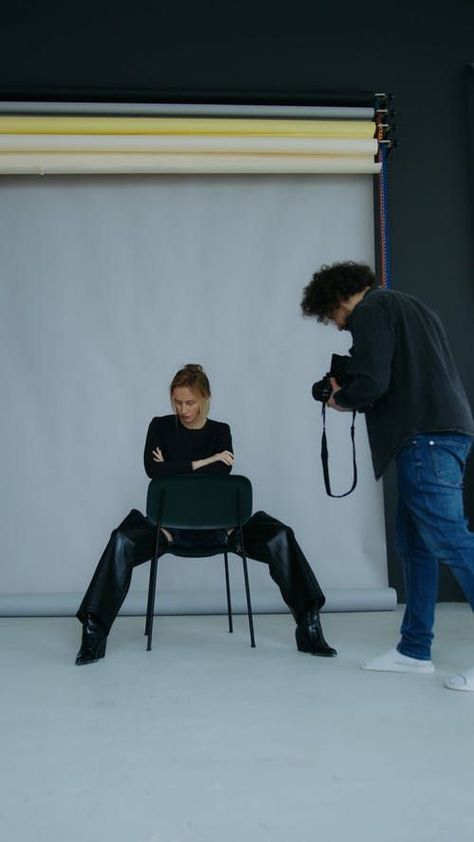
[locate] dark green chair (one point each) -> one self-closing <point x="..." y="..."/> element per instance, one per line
<point x="199" y="502"/>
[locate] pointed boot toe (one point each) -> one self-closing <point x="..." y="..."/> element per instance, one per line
<point x="94" y="639"/>
<point x="310" y="638"/>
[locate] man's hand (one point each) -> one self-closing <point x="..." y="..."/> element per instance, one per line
<point x="157" y="455"/>
<point x="331" y="402"/>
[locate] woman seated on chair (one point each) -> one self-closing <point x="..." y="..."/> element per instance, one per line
<point x="178" y="444"/>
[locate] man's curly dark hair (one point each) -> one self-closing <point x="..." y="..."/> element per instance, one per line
<point x="333" y="285"/>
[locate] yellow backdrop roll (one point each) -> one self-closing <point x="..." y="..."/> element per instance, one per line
<point x="187" y="126"/>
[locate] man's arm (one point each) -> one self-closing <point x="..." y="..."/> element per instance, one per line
<point x="371" y="359"/>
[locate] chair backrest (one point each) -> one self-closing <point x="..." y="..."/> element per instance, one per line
<point x="188" y="501"/>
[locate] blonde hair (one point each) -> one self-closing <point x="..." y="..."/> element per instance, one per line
<point x="194" y="377"/>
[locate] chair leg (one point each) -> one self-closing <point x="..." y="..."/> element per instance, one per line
<point x="151" y="601"/>
<point x="148" y="599"/>
<point x="247" y="591"/>
<point x="227" y="587"/>
<point x="152" y="592"/>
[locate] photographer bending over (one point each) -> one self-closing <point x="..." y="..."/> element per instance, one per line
<point x="401" y="373"/>
<point x="179" y="444"/>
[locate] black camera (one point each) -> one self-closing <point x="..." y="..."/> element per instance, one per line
<point x="322" y="389"/>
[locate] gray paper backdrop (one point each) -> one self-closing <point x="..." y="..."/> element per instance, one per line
<point x="112" y="283"/>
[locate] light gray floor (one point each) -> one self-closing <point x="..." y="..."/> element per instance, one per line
<point x="206" y="740"/>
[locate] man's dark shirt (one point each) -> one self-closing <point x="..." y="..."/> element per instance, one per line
<point x="403" y="374"/>
<point x="181" y="446"/>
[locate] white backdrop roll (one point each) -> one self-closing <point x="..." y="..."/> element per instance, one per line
<point x="111" y="284"/>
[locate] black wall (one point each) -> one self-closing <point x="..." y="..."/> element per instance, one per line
<point x="419" y="51"/>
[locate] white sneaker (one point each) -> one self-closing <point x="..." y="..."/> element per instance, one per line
<point x="463" y="681"/>
<point x="394" y="661"/>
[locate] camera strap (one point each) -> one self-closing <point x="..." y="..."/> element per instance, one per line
<point x="325" y="457"/>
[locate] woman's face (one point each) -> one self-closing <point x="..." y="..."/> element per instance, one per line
<point x="187" y="403"/>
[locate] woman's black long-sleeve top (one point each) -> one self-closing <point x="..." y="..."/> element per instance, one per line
<point x="181" y="447"/>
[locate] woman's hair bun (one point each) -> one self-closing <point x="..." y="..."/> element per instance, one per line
<point x="193" y="367"/>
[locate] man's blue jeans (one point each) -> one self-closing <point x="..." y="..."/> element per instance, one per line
<point x="431" y="527"/>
